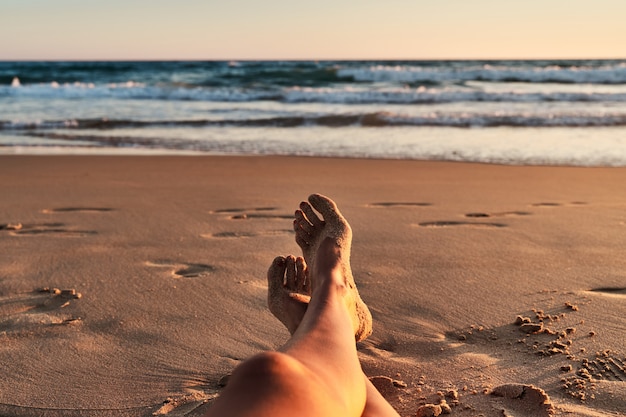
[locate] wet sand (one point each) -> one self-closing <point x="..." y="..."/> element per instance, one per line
<point x="133" y="285"/>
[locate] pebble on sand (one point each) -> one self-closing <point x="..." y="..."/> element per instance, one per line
<point x="531" y="327"/>
<point x="429" y="410"/>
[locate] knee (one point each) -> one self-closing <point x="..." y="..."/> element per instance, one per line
<point x="274" y="366"/>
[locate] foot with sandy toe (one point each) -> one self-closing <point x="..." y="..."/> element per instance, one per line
<point x="289" y="297"/>
<point x="288" y="292"/>
<point x="330" y="234"/>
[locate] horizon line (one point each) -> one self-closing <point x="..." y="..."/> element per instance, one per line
<point x="298" y="59"/>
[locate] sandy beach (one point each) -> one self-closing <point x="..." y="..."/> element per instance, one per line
<point x="130" y="286"/>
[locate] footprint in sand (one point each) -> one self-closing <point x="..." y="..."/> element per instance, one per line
<point x="247" y="216"/>
<point x="57" y="229"/>
<point x="522" y="400"/>
<point x="183" y="269"/>
<point x="554" y="204"/>
<point x="456" y="223"/>
<point x="610" y="291"/>
<point x="399" y="204"/>
<point x="607" y="367"/>
<point x="474" y="215"/>
<point x="43" y="307"/>
<point x="498" y="214"/>
<point x="266" y="213"/>
<point x="234" y="235"/>
<point x="546" y="204"/>
<point x="77" y="209"/>
<point x="239" y="210"/>
<point x="252" y="213"/>
<point x="50" y="228"/>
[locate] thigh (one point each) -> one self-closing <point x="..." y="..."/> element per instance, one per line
<point x="274" y="384"/>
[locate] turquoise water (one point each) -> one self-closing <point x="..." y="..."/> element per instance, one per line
<point x="513" y="112"/>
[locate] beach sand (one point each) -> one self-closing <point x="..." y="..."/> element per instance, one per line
<point x="131" y="286"/>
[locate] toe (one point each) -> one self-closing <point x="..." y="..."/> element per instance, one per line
<point x="301" y="242"/>
<point x="306" y="208"/>
<point x="302" y="238"/>
<point x="324" y="205"/>
<point x="301" y="276"/>
<point x="276" y="272"/>
<point x="302" y="221"/>
<point x="290" y="273"/>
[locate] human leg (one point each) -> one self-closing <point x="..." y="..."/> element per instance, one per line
<point x="311" y="230"/>
<point x="288" y="291"/>
<point x="317" y="372"/>
<point x="288" y="299"/>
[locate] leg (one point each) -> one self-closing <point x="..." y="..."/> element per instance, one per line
<point x="288" y="291"/>
<point x="376" y="405"/>
<point x="288" y="299"/>
<point x="311" y="231"/>
<point x="317" y="372"/>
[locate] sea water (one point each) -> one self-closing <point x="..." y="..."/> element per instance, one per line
<point x="511" y="112"/>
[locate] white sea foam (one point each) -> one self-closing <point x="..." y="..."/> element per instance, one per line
<point x="335" y="94"/>
<point x="610" y="74"/>
<point x="533" y="146"/>
<point x="134" y="90"/>
<point x="507" y="112"/>
<point x="350" y="95"/>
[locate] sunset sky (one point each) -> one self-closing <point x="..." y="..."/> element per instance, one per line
<point x="324" y="29"/>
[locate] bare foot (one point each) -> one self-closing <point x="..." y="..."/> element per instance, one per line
<point x="288" y="293"/>
<point x="313" y="234"/>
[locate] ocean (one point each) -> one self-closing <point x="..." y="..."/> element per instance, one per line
<point x="507" y="112"/>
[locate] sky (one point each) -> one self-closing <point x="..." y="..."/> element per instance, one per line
<point x="321" y="29"/>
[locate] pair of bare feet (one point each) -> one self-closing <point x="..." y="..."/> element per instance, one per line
<point x="325" y="244"/>
<point x="317" y="371"/>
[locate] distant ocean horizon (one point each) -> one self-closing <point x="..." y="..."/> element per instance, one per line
<point x="539" y="112"/>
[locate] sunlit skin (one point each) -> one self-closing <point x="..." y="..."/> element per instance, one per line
<point x="317" y="371"/>
<point x="288" y="301"/>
